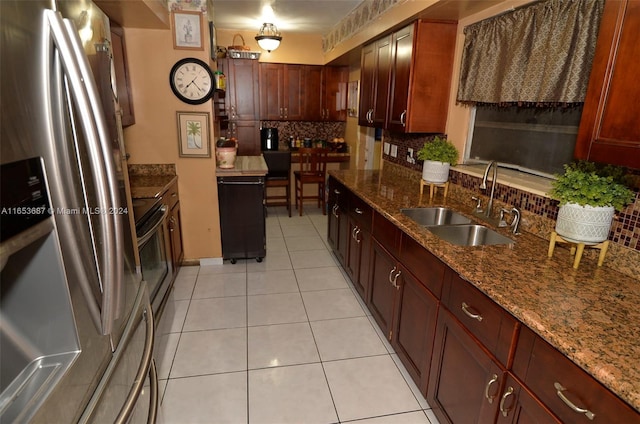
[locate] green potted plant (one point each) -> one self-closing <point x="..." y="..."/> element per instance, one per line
<point x="589" y="197"/>
<point x="438" y="155"/>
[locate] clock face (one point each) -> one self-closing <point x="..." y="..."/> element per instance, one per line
<point x="192" y="81"/>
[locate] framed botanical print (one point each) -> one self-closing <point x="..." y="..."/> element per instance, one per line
<point x="193" y="134"/>
<point x="187" y="30"/>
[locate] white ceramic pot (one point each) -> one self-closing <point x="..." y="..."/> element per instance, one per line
<point x="226" y="157"/>
<point x="435" y="172"/>
<point x="584" y="223"/>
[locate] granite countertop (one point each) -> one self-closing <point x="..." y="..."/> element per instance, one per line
<point x="148" y="186"/>
<point x="591" y="314"/>
<point x="245" y="166"/>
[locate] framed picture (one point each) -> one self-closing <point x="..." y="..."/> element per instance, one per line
<point x="187" y="30"/>
<point x="193" y="134"/>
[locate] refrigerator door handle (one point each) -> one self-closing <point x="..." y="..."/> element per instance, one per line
<point x="143" y="371"/>
<point x="85" y="95"/>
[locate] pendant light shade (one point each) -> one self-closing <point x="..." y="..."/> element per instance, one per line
<point x="268" y="37"/>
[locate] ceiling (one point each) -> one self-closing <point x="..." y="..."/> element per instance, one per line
<point x="308" y="16"/>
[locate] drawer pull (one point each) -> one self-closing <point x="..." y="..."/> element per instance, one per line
<point x="465" y="309"/>
<point x="506" y="394"/>
<point x="336" y="191"/>
<point x="494" y="378"/>
<point x="359" y="211"/>
<point x="559" y="390"/>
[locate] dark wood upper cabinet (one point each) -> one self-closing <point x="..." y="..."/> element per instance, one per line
<point x="375" y="68"/>
<point x="422" y="55"/>
<point x="241" y="104"/>
<point x="610" y="129"/>
<point x="119" y="53"/>
<point x="281" y="86"/>
<point x="313" y="92"/>
<point x="334" y="93"/>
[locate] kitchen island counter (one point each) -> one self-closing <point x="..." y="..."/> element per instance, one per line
<point x="589" y="314"/>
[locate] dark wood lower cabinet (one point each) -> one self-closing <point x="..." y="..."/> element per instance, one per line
<point x="357" y="261"/>
<point x="383" y="293"/>
<point x="518" y="406"/>
<point x="465" y="383"/>
<point x="415" y="327"/>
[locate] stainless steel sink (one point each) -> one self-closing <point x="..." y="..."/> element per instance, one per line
<point x="435" y="216"/>
<point x="469" y="235"/>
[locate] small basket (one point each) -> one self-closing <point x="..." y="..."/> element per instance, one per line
<point x="237" y="46"/>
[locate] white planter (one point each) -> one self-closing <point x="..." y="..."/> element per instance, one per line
<point x="435" y="172"/>
<point x="584" y="223"/>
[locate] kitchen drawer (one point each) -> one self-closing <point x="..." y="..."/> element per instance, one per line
<point x="540" y="366"/>
<point x="170" y="197"/>
<point x="386" y="233"/>
<point x="424" y="265"/>
<point x="360" y="211"/>
<point x="487" y="321"/>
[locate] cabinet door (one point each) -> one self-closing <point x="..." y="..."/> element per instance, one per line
<point x="610" y="129"/>
<point x="271" y="89"/>
<point x="382" y="82"/>
<point x="464" y="382"/>
<point x="402" y="47"/>
<point x="248" y="135"/>
<point x="175" y="234"/>
<point x="312" y="95"/>
<point x="367" y="81"/>
<point x="334" y="98"/>
<point x="337" y="223"/>
<point x="415" y="328"/>
<point x="518" y="406"/>
<point x="357" y="262"/>
<point x="382" y="292"/>
<point x="242" y="89"/>
<point x="293" y="92"/>
<point x="119" y="52"/>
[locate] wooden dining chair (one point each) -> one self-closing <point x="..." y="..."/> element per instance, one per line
<point x="313" y="170"/>
<point x="279" y="164"/>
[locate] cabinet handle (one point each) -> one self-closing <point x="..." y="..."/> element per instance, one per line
<point x="335" y="211"/>
<point x="359" y="211"/>
<point x="390" y="274"/>
<point x="286" y="112"/>
<point x="353" y="232"/>
<point x="356" y="235"/>
<point x="559" y="390"/>
<point x="395" y="278"/>
<point x="233" y="112"/>
<point x="494" y="378"/>
<point x="506" y="394"/>
<point x="465" y="309"/>
<point x="336" y="191"/>
<point x="371" y="116"/>
<point x="403" y="116"/>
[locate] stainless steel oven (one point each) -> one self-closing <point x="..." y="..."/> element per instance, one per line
<point x="155" y="251"/>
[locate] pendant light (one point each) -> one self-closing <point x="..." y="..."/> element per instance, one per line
<point x="268" y="37"/>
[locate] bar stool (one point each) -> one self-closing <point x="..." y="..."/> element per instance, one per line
<point x="313" y="170"/>
<point x="279" y="164"/>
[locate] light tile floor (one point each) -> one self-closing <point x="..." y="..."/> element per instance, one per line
<point x="283" y="341"/>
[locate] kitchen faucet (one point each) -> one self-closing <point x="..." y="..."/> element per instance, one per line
<point x="483" y="185"/>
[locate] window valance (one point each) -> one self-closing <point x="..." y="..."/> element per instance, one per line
<point x="537" y="54"/>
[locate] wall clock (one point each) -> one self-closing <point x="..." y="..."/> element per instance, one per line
<point x="192" y="81"/>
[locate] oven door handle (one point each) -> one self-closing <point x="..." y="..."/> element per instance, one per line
<point x="146" y="236"/>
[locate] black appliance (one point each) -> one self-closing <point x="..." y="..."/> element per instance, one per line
<point x="269" y="139"/>
<point x="242" y="217"/>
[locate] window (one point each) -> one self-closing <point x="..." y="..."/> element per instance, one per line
<point x="536" y="140"/>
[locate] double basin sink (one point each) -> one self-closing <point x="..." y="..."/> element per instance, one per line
<point x="454" y="227"/>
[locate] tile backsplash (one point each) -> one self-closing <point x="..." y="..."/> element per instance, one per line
<point x="305" y="129"/>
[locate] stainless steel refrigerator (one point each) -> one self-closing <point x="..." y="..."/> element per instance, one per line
<point x="76" y="326"/>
